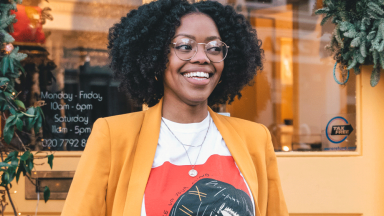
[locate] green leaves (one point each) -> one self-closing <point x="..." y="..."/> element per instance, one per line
<point x="20" y="169"/>
<point x="322" y="11"/>
<point x="10" y="64"/>
<point x="359" y="57"/>
<point x="18" y="174"/>
<point x="9" y="173"/>
<point x="20" y="104"/>
<point x="371" y="35"/>
<point x="5" y="62"/>
<point x="325" y="19"/>
<point x="5" y="178"/>
<point x="356" y="42"/>
<point x="50" y="160"/>
<point x="350" y="32"/>
<point x="19" y="124"/>
<point x="375" y="8"/>
<point x="38" y="120"/>
<point x="364" y="23"/>
<point x="7" y="21"/>
<point x="9" y="128"/>
<point x="35" y="118"/>
<point x="25" y="156"/>
<point x="7" y="37"/>
<point x="18" y="117"/>
<point x="47" y="193"/>
<point x="363" y="49"/>
<point x="27" y="161"/>
<point x="3" y="80"/>
<point x="18" y="56"/>
<point x="352" y="64"/>
<point x="375" y="77"/>
<point x="358" y="37"/>
<point x="30" y="117"/>
<point x="337" y="36"/>
<point x="11" y="156"/>
<point x="12" y="170"/>
<point x="381" y="59"/>
<point x="2" y="164"/>
<point x="346" y="26"/>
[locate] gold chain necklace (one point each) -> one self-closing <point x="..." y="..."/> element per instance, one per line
<point x="191" y="172"/>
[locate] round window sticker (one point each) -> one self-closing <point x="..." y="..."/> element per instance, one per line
<point x="338" y="129"/>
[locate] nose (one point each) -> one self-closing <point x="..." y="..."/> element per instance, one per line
<point x="200" y="56"/>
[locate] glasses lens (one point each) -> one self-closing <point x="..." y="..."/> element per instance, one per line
<point x="185" y="48"/>
<point x="216" y="51"/>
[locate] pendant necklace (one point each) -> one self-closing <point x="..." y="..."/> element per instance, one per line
<point x="191" y="172"/>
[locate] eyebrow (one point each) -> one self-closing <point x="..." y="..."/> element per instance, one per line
<point x="194" y="38"/>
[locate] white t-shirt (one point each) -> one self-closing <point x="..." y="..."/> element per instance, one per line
<point x="218" y="189"/>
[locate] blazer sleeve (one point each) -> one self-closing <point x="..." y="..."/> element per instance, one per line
<point x="276" y="202"/>
<point x="87" y="194"/>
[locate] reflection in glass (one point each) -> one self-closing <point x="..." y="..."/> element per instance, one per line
<point x="290" y="96"/>
<point x="69" y="71"/>
<point x="296" y="88"/>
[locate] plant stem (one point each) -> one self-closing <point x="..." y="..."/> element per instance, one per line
<point x="30" y="179"/>
<point x="3" y="204"/>
<point x="6" y="188"/>
<point x="22" y="144"/>
<point x="10" y="200"/>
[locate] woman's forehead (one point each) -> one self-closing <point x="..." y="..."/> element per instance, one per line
<point x="197" y="26"/>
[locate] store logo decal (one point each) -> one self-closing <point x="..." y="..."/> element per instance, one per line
<point x="342" y="129"/>
<point x="338" y="130"/>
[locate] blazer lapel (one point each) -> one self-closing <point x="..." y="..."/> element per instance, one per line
<point x="239" y="151"/>
<point x="142" y="163"/>
<point x="146" y="149"/>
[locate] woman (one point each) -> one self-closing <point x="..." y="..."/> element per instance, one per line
<point x="179" y="157"/>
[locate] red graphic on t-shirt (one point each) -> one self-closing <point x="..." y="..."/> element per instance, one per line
<point x="167" y="182"/>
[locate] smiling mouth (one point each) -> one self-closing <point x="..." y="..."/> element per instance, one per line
<point x="197" y="75"/>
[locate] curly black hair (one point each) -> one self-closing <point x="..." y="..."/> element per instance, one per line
<point x="139" y="47"/>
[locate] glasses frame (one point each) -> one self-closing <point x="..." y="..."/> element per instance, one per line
<point x="205" y="51"/>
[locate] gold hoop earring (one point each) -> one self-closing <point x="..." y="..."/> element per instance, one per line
<point x="220" y="81"/>
<point x="156" y="78"/>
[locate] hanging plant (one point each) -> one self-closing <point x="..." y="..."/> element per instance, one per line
<point x="15" y="115"/>
<point x="358" y="37"/>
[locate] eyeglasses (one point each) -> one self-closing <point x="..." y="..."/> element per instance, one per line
<point x="186" y="49"/>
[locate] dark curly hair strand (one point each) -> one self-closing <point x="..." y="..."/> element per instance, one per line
<point x="139" y="47"/>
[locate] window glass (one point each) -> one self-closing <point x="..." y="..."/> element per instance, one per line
<point x="67" y="67"/>
<point x="296" y="95"/>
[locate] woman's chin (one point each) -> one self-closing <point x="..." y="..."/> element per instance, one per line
<point x="193" y="101"/>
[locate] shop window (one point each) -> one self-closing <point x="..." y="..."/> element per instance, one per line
<point x="68" y="69"/>
<point x="295" y="95"/>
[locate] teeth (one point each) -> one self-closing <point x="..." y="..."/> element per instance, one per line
<point x="196" y="78"/>
<point x="197" y="75"/>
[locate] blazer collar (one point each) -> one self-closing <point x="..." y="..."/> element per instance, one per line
<point x="146" y="149"/>
<point x="143" y="159"/>
<point x="240" y="153"/>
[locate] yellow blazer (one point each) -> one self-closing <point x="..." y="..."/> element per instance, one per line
<point x="113" y="171"/>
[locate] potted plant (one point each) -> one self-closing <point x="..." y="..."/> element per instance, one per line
<point x="358" y="37"/>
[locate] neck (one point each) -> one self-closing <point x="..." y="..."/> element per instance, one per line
<point x="181" y="112"/>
